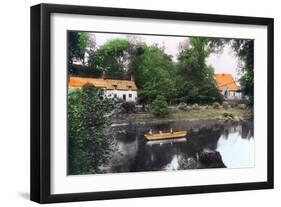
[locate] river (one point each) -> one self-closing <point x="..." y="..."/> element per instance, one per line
<point x="220" y="144"/>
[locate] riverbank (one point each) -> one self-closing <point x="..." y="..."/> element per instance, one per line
<point x="210" y="114"/>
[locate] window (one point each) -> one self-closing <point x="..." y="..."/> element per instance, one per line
<point x="124" y="97"/>
<point x="130" y="95"/>
<point x="225" y="94"/>
<point x="115" y="95"/>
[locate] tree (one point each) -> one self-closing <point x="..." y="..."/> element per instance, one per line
<point x="194" y="79"/>
<point x="77" y="45"/>
<point x="152" y="69"/>
<point x="110" y="58"/>
<point x="88" y="143"/>
<point x="245" y="51"/>
<point x="159" y="107"/>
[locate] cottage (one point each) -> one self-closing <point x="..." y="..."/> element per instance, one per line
<point x="125" y="90"/>
<point x="227" y="86"/>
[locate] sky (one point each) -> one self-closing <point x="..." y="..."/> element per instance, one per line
<point x="223" y="62"/>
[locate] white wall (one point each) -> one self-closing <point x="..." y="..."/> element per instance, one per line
<point x="119" y="94"/>
<point x="14" y="104"/>
<point x="232" y="95"/>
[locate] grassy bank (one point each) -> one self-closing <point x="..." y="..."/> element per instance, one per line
<point x="236" y="114"/>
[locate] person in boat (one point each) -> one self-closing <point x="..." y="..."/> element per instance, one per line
<point x="150" y="131"/>
<point x="171" y="131"/>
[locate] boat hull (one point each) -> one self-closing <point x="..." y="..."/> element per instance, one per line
<point x="164" y="136"/>
<point x="166" y="141"/>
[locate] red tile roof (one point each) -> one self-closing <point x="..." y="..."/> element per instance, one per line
<point x="225" y="81"/>
<point x="109" y="84"/>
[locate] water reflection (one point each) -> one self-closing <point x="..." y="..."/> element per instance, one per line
<point x="208" y="145"/>
<point x="238" y="142"/>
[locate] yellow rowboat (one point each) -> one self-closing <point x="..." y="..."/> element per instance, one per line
<point x="168" y="135"/>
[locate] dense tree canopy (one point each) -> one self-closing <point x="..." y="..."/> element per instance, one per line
<point x="153" y="70"/>
<point x="111" y="58"/>
<point x="195" y="80"/>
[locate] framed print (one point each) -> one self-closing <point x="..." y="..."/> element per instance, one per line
<point x="132" y="103"/>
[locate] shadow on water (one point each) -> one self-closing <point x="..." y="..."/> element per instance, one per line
<point x="208" y="145"/>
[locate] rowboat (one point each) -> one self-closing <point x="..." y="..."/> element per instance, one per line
<point x="169" y="135"/>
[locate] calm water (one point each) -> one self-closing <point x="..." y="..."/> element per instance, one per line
<point x="230" y="146"/>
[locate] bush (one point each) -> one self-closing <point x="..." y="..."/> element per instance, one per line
<point x="203" y="107"/>
<point x="225" y="105"/>
<point x="195" y="107"/>
<point x="242" y="106"/>
<point x="216" y="105"/>
<point x="182" y="106"/>
<point x="88" y="143"/>
<point x="159" y="107"/>
<point x="128" y="107"/>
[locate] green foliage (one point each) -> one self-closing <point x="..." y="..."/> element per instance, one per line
<point x="128" y="107"/>
<point x="188" y="80"/>
<point x="182" y="106"/>
<point x="88" y="145"/>
<point x="246" y="54"/>
<point x="244" y="49"/>
<point x="77" y="44"/>
<point x="159" y="107"/>
<point x="216" y="105"/>
<point x="84" y="71"/>
<point x="194" y="79"/>
<point x="111" y="58"/>
<point x="195" y="107"/>
<point x="153" y="74"/>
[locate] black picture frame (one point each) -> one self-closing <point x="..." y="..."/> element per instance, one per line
<point x="41" y="98"/>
